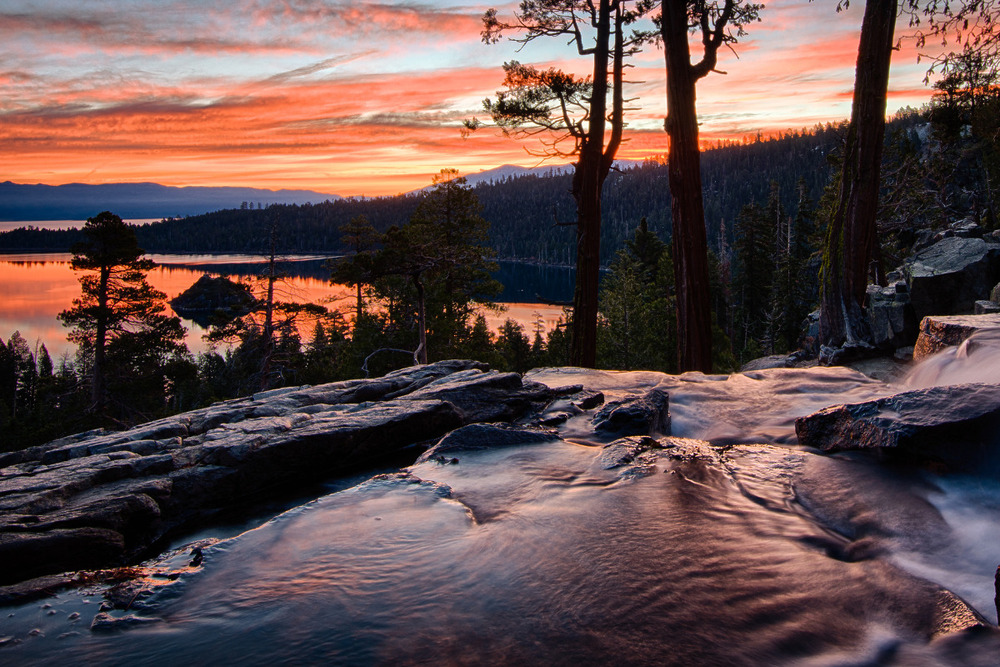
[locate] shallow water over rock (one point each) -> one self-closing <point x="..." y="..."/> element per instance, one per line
<point x="722" y="544"/>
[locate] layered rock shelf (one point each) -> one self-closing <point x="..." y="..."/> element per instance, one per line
<point x="102" y="499"/>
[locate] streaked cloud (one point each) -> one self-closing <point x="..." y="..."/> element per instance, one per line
<point x="349" y="97"/>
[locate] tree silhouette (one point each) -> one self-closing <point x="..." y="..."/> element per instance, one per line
<point x="118" y="311"/>
<point x="849" y="249"/>
<point x="441" y="254"/>
<point x="359" y="237"/>
<point x="718" y="23"/>
<point x="574" y="118"/>
<point x="850" y="254"/>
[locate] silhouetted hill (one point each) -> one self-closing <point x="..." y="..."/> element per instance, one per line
<point x="79" y="201"/>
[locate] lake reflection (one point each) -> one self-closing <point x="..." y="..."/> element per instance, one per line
<point x="35" y="287"/>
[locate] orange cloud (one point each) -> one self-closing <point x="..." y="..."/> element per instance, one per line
<point x="281" y="95"/>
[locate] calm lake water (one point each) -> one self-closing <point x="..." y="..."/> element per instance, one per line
<point x="35" y="287"/>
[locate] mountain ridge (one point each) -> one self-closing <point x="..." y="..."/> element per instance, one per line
<point x="79" y="201"/>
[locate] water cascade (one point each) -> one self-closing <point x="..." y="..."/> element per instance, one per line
<point x="725" y="544"/>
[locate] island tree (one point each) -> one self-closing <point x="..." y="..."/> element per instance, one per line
<point x="119" y="321"/>
<point x="718" y="23"/>
<point x="581" y="117"/>
<point x="267" y="334"/>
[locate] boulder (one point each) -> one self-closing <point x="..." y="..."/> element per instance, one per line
<point x="939" y="332"/>
<point x="925" y="238"/>
<point x="648" y="414"/>
<point x="478" y="437"/>
<point x="956" y="424"/>
<point x="576" y="402"/>
<point x="983" y="307"/>
<point x="951" y="275"/>
<point x="890" y="316"/>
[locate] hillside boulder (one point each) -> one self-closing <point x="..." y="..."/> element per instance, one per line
<point x="950" y="276"/>
<point x="890" y="316"/>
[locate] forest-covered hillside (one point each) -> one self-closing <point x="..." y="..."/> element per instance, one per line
<point x="524" y="211"/>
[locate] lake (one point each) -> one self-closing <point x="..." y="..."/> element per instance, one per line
<point x="37" y="286"/>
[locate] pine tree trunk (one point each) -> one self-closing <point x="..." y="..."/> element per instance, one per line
<point x="583" y="351"/>
<point x="421" y="354"/>
<point x="690" y="245"/>
<point x="588" y="182"/>
<point x="98" y="396"/>
<point x="851" y="236"/>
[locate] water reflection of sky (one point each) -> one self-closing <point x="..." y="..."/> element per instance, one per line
<point x="36" y="287"/>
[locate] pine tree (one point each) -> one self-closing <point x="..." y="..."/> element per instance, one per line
<point x="753" y="273"/>
<point x="432" y="272"/>
<point x="635" y="329"/>
<point x="514" y="348"/>
<point x="119" y="321"/>
<point x="359" y="236"/>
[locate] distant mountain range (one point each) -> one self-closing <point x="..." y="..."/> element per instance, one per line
<point x="79" y="201"/>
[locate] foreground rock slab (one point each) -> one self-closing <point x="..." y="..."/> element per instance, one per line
<point x="102" y="499"/>
<point x="956" y="424"/>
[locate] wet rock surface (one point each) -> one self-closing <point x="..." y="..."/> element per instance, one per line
<point x="753" y="553"/>
<point x="102" y="499"/>
<point x="940" y="332"/>
<point x="956" y="424"/>
<point x="475" y="437"/>
<point x="639" y="415"/>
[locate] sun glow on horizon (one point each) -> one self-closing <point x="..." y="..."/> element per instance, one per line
<point x="353" y="98"/>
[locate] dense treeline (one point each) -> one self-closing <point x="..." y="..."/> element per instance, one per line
<point x="530" y="215"/>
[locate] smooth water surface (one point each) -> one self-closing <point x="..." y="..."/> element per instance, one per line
<point x="36" y="287"/>
<point x="744" y="554"/>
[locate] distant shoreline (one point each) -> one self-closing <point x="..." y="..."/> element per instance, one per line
<point x="11" y="225"/>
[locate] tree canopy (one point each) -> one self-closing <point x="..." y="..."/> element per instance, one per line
<point x="119" y="321"/>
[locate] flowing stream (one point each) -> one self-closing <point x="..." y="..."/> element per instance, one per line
<point x="740" y="554"/>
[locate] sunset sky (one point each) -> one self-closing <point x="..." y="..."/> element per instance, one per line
<point x="352" y="97"/>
